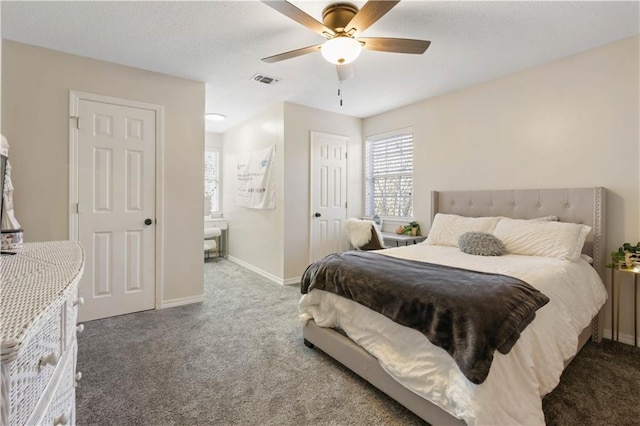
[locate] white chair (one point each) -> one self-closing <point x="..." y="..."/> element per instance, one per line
<point x="211" y="237"/>
<point x="363" y="234"/>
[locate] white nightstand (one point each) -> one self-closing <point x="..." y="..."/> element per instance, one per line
<point x="403" y="239"/>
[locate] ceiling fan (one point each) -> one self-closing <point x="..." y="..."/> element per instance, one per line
<point x="341" y="24"/>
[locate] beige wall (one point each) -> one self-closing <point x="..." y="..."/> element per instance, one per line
<point x="35" y="110"/>
<point x="255" y="236"/>
<point x="213" y="140"/>
<point x="570" y="123"/>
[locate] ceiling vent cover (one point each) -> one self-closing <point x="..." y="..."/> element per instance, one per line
<point x="264" y="79"/>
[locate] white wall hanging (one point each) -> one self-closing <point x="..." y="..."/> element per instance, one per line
<point x="255" y="179"/>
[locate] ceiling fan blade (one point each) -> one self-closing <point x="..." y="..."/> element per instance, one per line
<point x="292" y="54"/>
<point x="345" y="72"/>
<point x="369" y="14"/>
<point x="397" y="45"/>
<point x="299" y="16"/>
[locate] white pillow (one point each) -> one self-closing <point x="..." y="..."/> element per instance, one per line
<point x="446" y="229"/>
<point x="546" y="218"/>
<point x="586" y="258"/>
<point x="559" y="240"/>
<point x="543" y="218"/>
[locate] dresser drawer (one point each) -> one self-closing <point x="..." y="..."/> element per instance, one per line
<point x="61" y="408"/>
<point x="35" y="364"/>
<point x="71" y="304"/>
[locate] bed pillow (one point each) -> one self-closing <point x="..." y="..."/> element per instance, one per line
<point x="481" y="244"/>
<point x="542" y="218"/>
<point x="446" y="229"/>
<point x="559" y="240"/>
<point x="546" y="218"/>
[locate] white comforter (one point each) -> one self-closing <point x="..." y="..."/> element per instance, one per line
<point x="512" y="392"/>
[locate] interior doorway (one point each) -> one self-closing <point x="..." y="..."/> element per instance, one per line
<point x="113" y="181"/>
<point x="328" y="194"/>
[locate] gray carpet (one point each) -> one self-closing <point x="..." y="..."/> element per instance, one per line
<point x="238" y="358"/>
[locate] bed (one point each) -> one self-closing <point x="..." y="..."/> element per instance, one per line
<point x="424" y="378"/>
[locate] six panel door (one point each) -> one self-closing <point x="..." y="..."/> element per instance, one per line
<point x="116" y="192"/>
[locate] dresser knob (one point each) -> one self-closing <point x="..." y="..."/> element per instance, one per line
<point x="78" y="302"/>
<point x="80" y="328"/>
<point x="52" y="359"/>
<point x="61" y="420"/>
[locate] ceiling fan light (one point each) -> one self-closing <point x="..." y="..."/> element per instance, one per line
<point x="341" y="50"/>
<point x="213" y="116"/>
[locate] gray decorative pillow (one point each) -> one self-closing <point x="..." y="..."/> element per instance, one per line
<point x="481" y="244"/>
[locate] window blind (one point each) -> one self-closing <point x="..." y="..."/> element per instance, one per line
<point x="211" y="182"/>
<point x="389" y="175"/>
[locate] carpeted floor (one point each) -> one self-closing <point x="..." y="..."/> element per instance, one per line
<point x="238" y="358"/>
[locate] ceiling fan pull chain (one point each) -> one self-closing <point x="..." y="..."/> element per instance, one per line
<point x="340" y="92"/>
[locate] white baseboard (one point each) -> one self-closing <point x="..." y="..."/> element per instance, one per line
<point x="627" y="339"/>
<point x="267" y="275"/>
<point x="181" y="301"/>
<point x="292" y="281"/>
<point x="255" y="269"/>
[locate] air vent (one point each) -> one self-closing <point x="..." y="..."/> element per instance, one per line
<point x="264" y="79"/>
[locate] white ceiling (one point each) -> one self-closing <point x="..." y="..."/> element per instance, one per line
<point x="221" y="43"/>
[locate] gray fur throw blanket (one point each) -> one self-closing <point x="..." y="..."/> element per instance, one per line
<point x="469" y="314"/>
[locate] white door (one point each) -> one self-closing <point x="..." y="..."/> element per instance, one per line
<point x="116" y="208"/>
<point x="328" y="193"/>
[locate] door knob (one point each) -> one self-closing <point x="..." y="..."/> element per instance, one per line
<point x="148" y="221"/>
<point x="317" y="214"/>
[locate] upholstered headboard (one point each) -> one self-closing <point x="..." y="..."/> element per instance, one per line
<point x="576" y="205"/>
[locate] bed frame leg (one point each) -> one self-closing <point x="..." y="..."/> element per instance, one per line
<point x="309" y="344"/>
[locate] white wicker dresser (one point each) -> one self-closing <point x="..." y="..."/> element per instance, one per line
<point x="39" y="306"/>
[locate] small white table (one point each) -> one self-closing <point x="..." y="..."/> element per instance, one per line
<point x="403" y="239"/>
<point x="223" y="225"/>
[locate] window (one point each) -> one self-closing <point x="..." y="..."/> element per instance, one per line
<point x="389" y="174"/>
<point x="211" y="182"/>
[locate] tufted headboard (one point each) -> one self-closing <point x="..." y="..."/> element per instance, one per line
<point x="576" y="205"/>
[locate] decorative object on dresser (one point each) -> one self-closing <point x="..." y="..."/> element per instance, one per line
<point x="10" y="228"/>
<point x="3" y="174"/>
<point x="39" y="308"/>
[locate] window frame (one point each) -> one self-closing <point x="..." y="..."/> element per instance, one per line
<point x="368" y="179"/>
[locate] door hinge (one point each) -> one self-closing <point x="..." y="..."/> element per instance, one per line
<point x="346" y="205"/>
<point x="75" y="117"/>
<point x="77" y="208"/>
